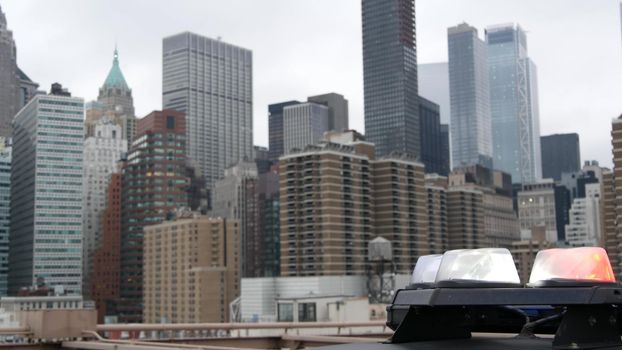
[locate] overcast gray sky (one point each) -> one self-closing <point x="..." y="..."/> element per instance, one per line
<point x="306" y="47"/>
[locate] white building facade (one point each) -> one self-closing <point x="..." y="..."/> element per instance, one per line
<point x="585" y="228"/>
<point x="102" y="152"/>
<point x="304" y="124"/>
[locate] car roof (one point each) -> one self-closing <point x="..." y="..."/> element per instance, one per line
<point x="479" y="343"/>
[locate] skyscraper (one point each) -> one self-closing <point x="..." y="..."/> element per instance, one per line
<point x="8" y="78"/>
<point x="211" y="82"/>
<point x="304" y="124"/>
<point x="154" y="185"/>
<point x="275" y="129"/>
<point x="234" y="198"/>
<point x="471" y="138"/>
<point x="434" y="86"/>
<point x="337" y="110"/>
<point x="46" y="179"/>
<point x="434" y="151"/>
<point x="102" y="152"/>
<point x="390" y="76"/>
<point x="115" y="102"/>
<point x="560" y="154"/>
<point x="513" y="104"/>
<point x="5" y="213"/>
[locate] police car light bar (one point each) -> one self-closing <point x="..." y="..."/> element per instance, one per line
<point x="426" y="269"/>
<point x="571" y="266"/>
<point x="492" y="267"/>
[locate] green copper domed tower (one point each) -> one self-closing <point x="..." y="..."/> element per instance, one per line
<point x="115" y="101"/>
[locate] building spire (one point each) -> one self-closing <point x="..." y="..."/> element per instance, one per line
<point x="115" y="76"/>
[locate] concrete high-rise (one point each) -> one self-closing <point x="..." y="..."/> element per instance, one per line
<point x="390" y="76"/>
<point x="327" y="220"/>
<point x="436" y="188"/>
<point x="234" y="197"/>
<point x="192" y="270"/>
<point x="211" y="82"/>
<point x="304" y="124"/>
<point x="16" y="88"/>
<point x="115" y="102"/>
<point x="267" y="195"/>
<point x="46" y="187"/>
<point x="434" y="86"/>
<point x="500" y="224"/>
<point x="338" y="119"/>
<point x="105" y="275"/>
<point x="5" y="213"/>
<point x="560" y="154"/>
<point x="471" y="134"/>
<point x="434" y="141"/>
<point x="613" y="198"/>
<point x="537" y="210"/>
<point x="586" y="221"/>
<point x="335" y="197"/>
<point x="9" y="83"/>
<point x="154" y="185"/>
<point x="514" y="105"/>
<point x="102" y="152"/>
<point x="276" y="147"/>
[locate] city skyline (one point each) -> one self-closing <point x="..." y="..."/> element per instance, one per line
<point x="283" y="61"/>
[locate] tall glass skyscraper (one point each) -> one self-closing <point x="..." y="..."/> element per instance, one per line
<point x="212" y="83"/>
<point x="514" y="104"/>
<point x="470" y="98"/>
<point x="46" y="191"/>
<point x="390" y="76"/>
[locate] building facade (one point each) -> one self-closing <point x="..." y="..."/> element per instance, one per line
<point x="275" y="129"/>
<point x="514" y="105"/>
<point x="434" y="86"/>
<point x="390" y="76"/>
<point x="400" y="215"/>
<point x="614" y="210"/>
<point x="114" y="102"/>
<point x="325" y="221"/>
<point x="536" y="210"/>
<point x="268" y="224"/>
<point x="500" y="221"/>
<point x="436" y="188"/>
<point x="335" y="197"/>
<point x="234" y="198"/>
<point x="191" y="269"/>
<point x="611" y="242"/>
<point x="211" y="82"/>
<point x="47" y="185"/>
<point x="304" y="124"/>
<point x="154" y="185"/>
<point x="586" y="221"/>
<point x="338" y="119"/>
<point x="465" y="219"/>
<point x="105" y="273"/>
<point x="560" y="154"/>
<point x="9" y="82"/>
<point x="469" y="90"/>
<point x="102" y="152"/>
<point x="5" y="213"/>
<point x="434" y="151"/>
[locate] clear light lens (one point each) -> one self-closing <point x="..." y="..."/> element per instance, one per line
<point x="485" y="265"/>
<point x="579" y="264"/>
<point x="426" y="269"/>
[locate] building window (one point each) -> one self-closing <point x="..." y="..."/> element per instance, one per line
<point x="286" y="312"/>
<point x="170" y="122"/>
<point x="306" y="312"/>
